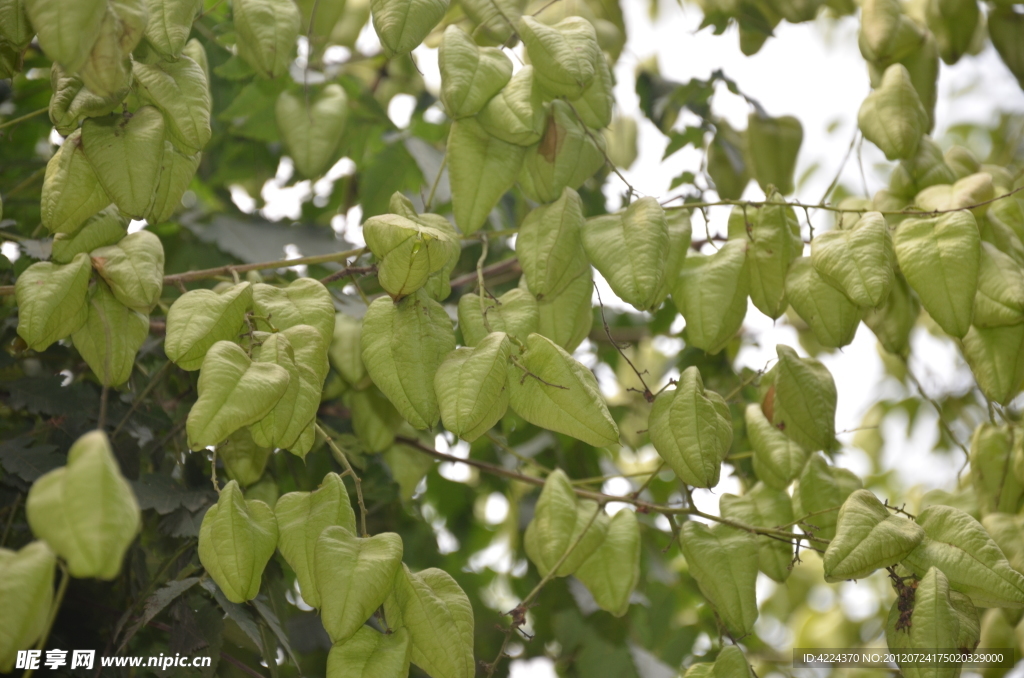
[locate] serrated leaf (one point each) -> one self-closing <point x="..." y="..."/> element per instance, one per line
<point x="267" y="32"/>
<point x="868" y="537"/>
<point x="765" y="507"/>
<point x="514" y="313"/>
<point x="71" y="190"/>
<point x="52" y="301"/>
<point x="830" y="314"/>
<point x="301" y="518"/>
<point x="724" y="563"/>
<point x="711" y="293"/>
<point x="552" y="390"/>
<point x="354" y="576"/>
<point x="200" y="318"/>
<point x="472" y="386"/>
<point x="482" y="168"/>
<point x="778" y="460"/>
<point x="134" y="269"/>
<point x="303" y="302"/>
<point x="312" y="127"/>
<point x="857" y="261"/>
<point x="371" y="654"/>
<point x="566" y="156"/>
<point x="560" y="520"/>
<point x="126" y="154"/>
<point x="86" y="511"/>
<point x="180" y="91"/>
<point x="470" y="75"/>
<point x="26" y="586"/>
<point x="111" y="336"/>
<point x="236" y="540"/>
<point x="233" y="392"/>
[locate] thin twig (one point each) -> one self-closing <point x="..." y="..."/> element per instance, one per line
<point x="433" y="187"/>
<point x="23" y="118"/>
<point x="343" y="458"/>
<point x="648" y="396"/>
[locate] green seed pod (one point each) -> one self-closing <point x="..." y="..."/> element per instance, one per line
<point x="992" y="449"/>
<point x="200" y="318"/>
<point x="612" y="571"/>
<point x="403" y="344"/>
<point x="438" y="286"/>
<point x="886" y="34"/>
<point x="548" y="388"/>
<point x="858" y="261"/>
<point x="940" y="258"/>
<point x="564" y="56"/>
<point x="66" y="31"/>
<point x="567" y="155"/>
<point x="52" y="301"/>
<point x="764" y="507"/>
<point x="893" y="321"/>
<point x="439" y="617"/>
<point x="892" y="117"/>
<point x="822" y="490"/>
<point x="868" y="537"/>
<point x="296" y="409"/>
<point x="802" y="400"/>
<point x="962" y="161"/>
<point x="832" y="317"/>
<point x="620" y="139"/>
<point x="550" y="245"/>
<point x="971" y="190"/>
<point x="371" y="654"/>
<point x="303" y="302"/>
<point x="1007" y="531"/>
<point x="514" y="313"/>
<point x="692" y="430"/>
<point x="1000" y="297"/>
<point x="312" y="131"/>
<point x="516" y="114"/>
<point x="778" y="460"/>
<point x="236" y="540"/>
<point x="470" y="75"/>
<point x="958" y="545"/>
<point x="267" y="33"/>
<point x="15" y="28"/>
<point x="408" y="252"/>
<point x="933" y="623"/>
<point x="953" y="23"/>
<point x="134" y="269"/>
<point x="195" y="51"/>
<point x="244" y="460"/>
<point x="679" y="235"/>
<point x="482" y="168"/>
<point x="374" y="419"/>
<point x="402" y="25"/>
<point x="170" y="22"/>
<point x="86" y="511"/>
<point x="106" y="227"/>
<point x="773" y="144"/>
<point x="641" y="230"/>
<point x="1006" y="27"/>
<point x="566" y="318"/>
<point x="176" y="172"/>
<point x="126" y="155"/>
<point x="345" y="352"/>
<point x="72" y="101"/>
<point x="408" y="466"/>
<point x="724" y="563"/>
<point x="180" y="91"/>
<point x="301" y="518"/>
<point x="996" y="631"/>
<point x="71" y="190"/>
<point x="111" y="336"/>
<point x="472" y="386"/>
<point x="108" y="68"/>
<point x="926" y="168"/>
<point x="772" y="235"/>
<point x="594" y="106"/>
<point x="727" y="164"/>
<point x="26" y="586"/>
<point x="234" y="392"/>
<point x="711" y="293"/>
<point x="559" y="521"/>
<point x="995" y="358"/>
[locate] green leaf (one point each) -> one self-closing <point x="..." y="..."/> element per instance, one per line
<point x="179" y="89"/>
<point x="692" y="430"/>
<point x="958" y="545"/>
<point x="567" y="155"/>
<point x="516" y="114"/>
<point x="1004" y="29"/>
<point x="236" y="541"/>
<point x="992" y="451"/>
<point x="559" y="520"/>
<point x="892" y="117"/>
<point x="995" y="358"/>
<point x="267" y="32"/>
<point x="52" y="301"/>
<point x="200" y="318"/>
<point x="550" y="245"/>
<point x="822" y="491"/>
<point x="711" y="293"/>
<point x="940" y="258"/>
<point x="514" y="313"/>
<point x="886" y="34"/>
<point x="403" y="345"/>
<point x="283" y="426"/>
<point x="106" y="227"/>
<point x="778" y="460"/>
<point x="482" y="168"/>
<point x="830" y="314"/>
<point x="724" y="563"/>
<point x="26" y="586"/>
<point x="774" y="144"/>
<point x="629" y="250"/>
<point x="408" y="252"/>
<point x="868" y="537"/>
<point x="71" y="189"/>
<point x="170" y="22"/>
<point x="233" y="392"/>
<point x="933" y="623"/>
<point x="954" y="24"/>
<point x="371" y="654"/>
<point x="15" y="27"/>
<point x="66" y="32"/>
<point x="86" y="511"/>
<point x="772" y="235"/>
<point x="243" y="459"/>
<point x="765" y="507"/>
<point x="345" y="353"/>
<point x="301" y="518"/>
<point x="134" y="269"/>
<point x="731" y="663"/>
<point x="111" y="336"/>
<point x="548" y="388"/>
<point x="804" y="400"/>
<point x="354" y="576"/>
<point x="613" y="569"/>
<point x="402" y="25"/>
<point x="470" y="75"/>
<point x="126" y="153"/>
<point x="1000" y="297"/>
<point x="727" y="165"/>
<point x="439" y="617"/>
<point x="564" y="56"/>
<point x="893" y="321"/>
<point x="472" y="386"/>
<point x="857" y="261"/>
<point x="304" y="302"/>
<point x="312" y="129"/>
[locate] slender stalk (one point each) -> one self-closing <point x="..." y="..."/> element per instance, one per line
<point x="23" y="118"/>
<point x="343" y="458"/>
<point x="433" y="187"/>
